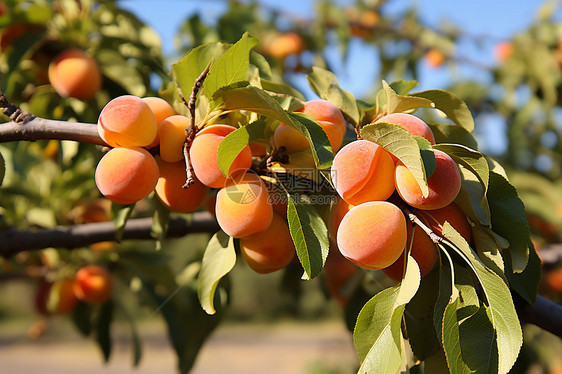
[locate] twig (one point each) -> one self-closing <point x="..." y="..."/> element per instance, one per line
<point x="191" y="130"/>
<point x="11" y="110"/>
<point x="77" y="236"/>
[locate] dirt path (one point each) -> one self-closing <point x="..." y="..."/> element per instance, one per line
<point x="277" y="348"/>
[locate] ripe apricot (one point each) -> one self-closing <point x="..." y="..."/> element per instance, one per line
<point x="444" y="184"/>
<point x="170" y="192"/>
<point x="452" y="214"/>
<point x="258" y="149"/>
<point x="412" y="124"/>
<point x="271" y="249"/>
<point x="503" y="51"/>
<point x="161" y="110"/>
<point x="435" y="58"/>
<point x="372" y="235"/>
<point x="126" y="175"/>
<point x="203" y="154"/>
<point x="339" y="210"/>
<point x="424" y="251"/>
<point x="323" y="110"/>
<point x="362" y="171"/>
<point x="74" y="73"/>
<point x="285" y="45"/>
<point x="337" y="273"/>
<point x="93" y="284"/>
<point x="127" y="121"/>
<point x="55" y="297"/>
<point x="242" y="206"/>
<point x="171" y="133"/>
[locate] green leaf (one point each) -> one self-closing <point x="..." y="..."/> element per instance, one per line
<point x="450" y="133"/>
<point x="103" y="325"/>
<point x="502" y="312"/>
<point x="82" y="318"/>
<point x="377" y="335"/>
<point x="191" y="65"/>
<point x="282" y="88"/>
<point x="451" y="340"/>
<point x="137" y="347"/>
<point x="325" y="84"/>
<point x="258" y="101"/>
<point x="451" y="105"/>
<point x="401" y="144"/>
<point x="160" y="220"/>
<point x="234" y="143"/>
<point x="397" y="103"/>
<point x="231" y="67"/>
<point x="509" y="220"/>
<point x="446" y="291"/>
<point x="115" y="67"/>
<point x="427" y="155"/>
<point x="402" y="86"/>
<point x="526" y="283"/>
<point x="218" y="260"/>
<point x="310" y="236"/>
<point x="120" y="214"/>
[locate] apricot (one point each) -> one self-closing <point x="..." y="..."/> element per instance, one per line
<point x="362" y="171"/>
<point x="372" y="235"/>
<point x="435" y="58"/>
<point x="126" y="175"/>
<point x="444" y="184"/>
<point x="170" y="192"/>
<point x="161" y="110"/>
<point x="171" y="133"/>
<point x="258" y="149"/>
<point x="203" y="154"/>
<point x="424" y="251"/>
<point x="74" y="73"/>
<point x="55" y="297"/>
<point x="503" y="51"/>
<point x="285" y="45"/>
<point x="242" y="206"/>
<point x="337" y="273"/>
<point x="323" y="110"/>
<point x="339" y="210"/>
<point x="435" y="219"/>
<point x="553" y="281"/>
<point x="93" y="284"/>
<point x="127" y="121"/>
<point x="412" y="124"/>
<point x="271" y="249"/>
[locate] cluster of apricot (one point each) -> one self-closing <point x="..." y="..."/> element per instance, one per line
<point x="367" y="223"/>
<point x="92" y="284"/>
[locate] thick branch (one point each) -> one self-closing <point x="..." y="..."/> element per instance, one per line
<point x="15" y="241"/>
<point x="40" y="128"/>
<point x="544" y="313"/>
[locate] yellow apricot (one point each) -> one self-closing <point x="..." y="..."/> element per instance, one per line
<point x="362" y="171"/>
<point x="161" y="110"/>
<point x="242" y="206"/>
<point x="126" y="175"/>
<point x="285" y="45"/>
<point x="127" y="121"/>
<point x="372" y="235"/>
<point x="171" y="132"/>
<point x="74" y="73"/>
<point x="412" y="124"/>
<point x="271" y="249"/>
<point x="170" y="192"/>
<point x="339" y="210"/>
<point x="444" y="184"/>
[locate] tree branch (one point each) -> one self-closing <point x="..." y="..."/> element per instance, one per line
<point x="41" y="128"/>
<point x="76" y="236"/>
<point x="544" y="313"/>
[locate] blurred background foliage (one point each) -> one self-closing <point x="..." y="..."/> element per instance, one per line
<point x="50" y="183"/>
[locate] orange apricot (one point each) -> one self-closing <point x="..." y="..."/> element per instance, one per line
<point x="258" y="149"/>
<point x="127" y="121"/>
<point x="55" y="297"/>
<point x="339" y="210"/>
<point x="285" y="45"/>
<point x="503" y="51"/>
<point x="323" y="110"/>
<point x="126" y="175"/>
<point x="362" y="171"/>
<point x="271" y="249"/>
<point x="412" y="124"/>
<point x="93" y="284"/>
<point x="74" y="73"/>
<point x="435" y="219"/>
<point x="372" y="235"/>
<point x="203" y="154"/>
<point x="171" y="133"/>
<point x="161" y="110"/>
<point x="337" y="273"/>
<point x="444" y="184"/>
<point x="242" y="206"/>
<point x="170" y="192"/>
<point x="435" y="58"/>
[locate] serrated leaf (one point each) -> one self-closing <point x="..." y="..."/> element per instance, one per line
<point x="402" y="86"/>
<point x="509" y="219"/>
<point x="451" y="105"/>
<point x="231" y="67"/>
<point x="450" y="133"/>
<point x="310" y="237"/>
<point x="427" y="155"/>
<point x="258" y="101"/>
<point x="398" y="103"/>
<point x="120" y="214"/>
<point x="503" y="316"/>
<point x="451" y="340"/>
<point x="218" y="260"/>
<point x="188" y="68"/>
<point x="103" y="325"/>
<point x="401" y="144"/>
<point x="234" y="143"/>
<point x="377" y="335"/>
<point x="325" y="84"/>
<point x="526" y="283"/>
